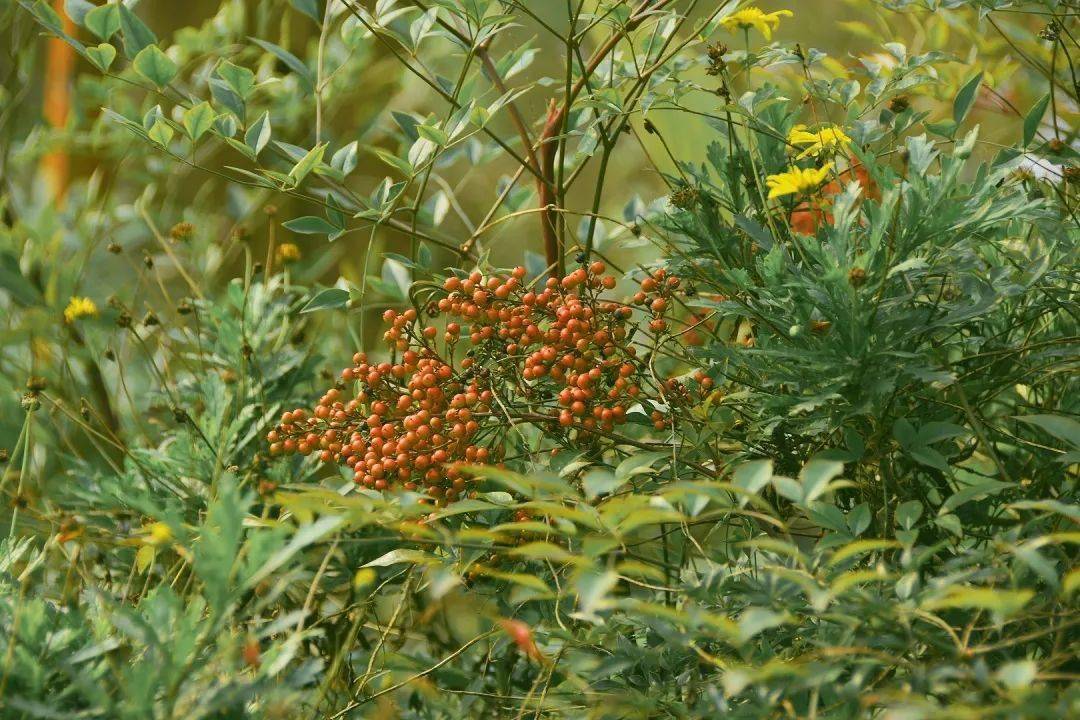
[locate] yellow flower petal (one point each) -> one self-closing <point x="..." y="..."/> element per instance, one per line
<point x="830" y="138"/>
<point x="80" y="307"/>
<point x="754" y="18"/>
<point x="797" y="181"/>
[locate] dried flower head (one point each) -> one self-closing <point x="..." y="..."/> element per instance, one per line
<point x="182" y="231"/>
<point x="684" y="197"/>
<point x="287" y="253"/>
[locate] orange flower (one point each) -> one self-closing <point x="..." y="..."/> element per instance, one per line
<point x="522" y="636"/>
<point x="808" y="216"/>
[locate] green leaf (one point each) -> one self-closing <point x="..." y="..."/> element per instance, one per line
<point x="240" y="79"/>
<point x="101" y="55"/>
<point x="908" y="513"/>
<point x="998" y="600"/>
<point x="161" y="133"/>
<point x="154" y="65"/>
<point x="815" y="477"/>
<point x="137" y="36"/>
<point x="753" y="476"/>
<point x="973" y="492"/>
<point x="402" y="555"/>
<point x="309" y="8"/>
<point x="291" y="61"/>
<point x="198" y="120"/>
<point x="639" y="463"/>
<point x="241" y="148"/>
<point x="103" y="21"/>
<point x="593" y="588"/>
<point x="45" y="15"/>
<point x="755" y="620"/>
<point x="951" y="523"/>
<point x="14" y="282"/>
<point x="757" y="233"/>
<point x="1062" y="428"/>
<point x="306" y="164"/>
<point x="966" y="98"/>
<point x="329" y="299"/>
<point x="310" y="225"/>
<point x="258" y="135"/>
<point x="390" y="158"/>
<point x="599" y="481"/>
<point x="304" y="536"/>
<point x="433" y="134"/>
<point x="1017" y="674"/>
<point x="77" y="10"/>
<point x="219" y="541"/>
<point x="345" y="159"/>
<point x="860" y="547"/>
<point x="1034" y="118"/>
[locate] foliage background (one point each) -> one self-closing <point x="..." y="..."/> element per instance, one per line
<point x="890" y="527"/>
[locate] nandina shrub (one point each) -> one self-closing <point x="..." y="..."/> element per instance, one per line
<point x="776" y="418"/>
<point x="561" y="357"/>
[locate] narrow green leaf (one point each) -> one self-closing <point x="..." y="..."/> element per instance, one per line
<point x="306" y="164"/>
<point x="310" y="225"/>
<point x="1034" y="118"/>
<point x="137" y="36"/>
<point x="309" y="8"/>
<point x="998" y="600"/>
<point x="1061" y="427"/>
<point x="402" y="555"/>
<point x="433" y="134"/>
<point x="258" y="135"/>
<point x="328" y="299"/>
<point x="345" y="159"/>
<point x="291" y="61"/>
<point x="966" y="98"/>
<point x="391" y="159"/>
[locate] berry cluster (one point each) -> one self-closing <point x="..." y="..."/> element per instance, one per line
<point x="558" y="355"/>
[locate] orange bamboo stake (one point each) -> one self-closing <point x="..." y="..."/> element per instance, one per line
<point x="59" y="67"/>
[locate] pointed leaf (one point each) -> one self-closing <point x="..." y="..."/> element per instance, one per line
<point x="154" y="65"/>
<point x="198" y="120"/>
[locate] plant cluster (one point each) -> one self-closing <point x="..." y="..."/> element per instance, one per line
<point x="775" y="414"/>
<point x="562" y="357"/>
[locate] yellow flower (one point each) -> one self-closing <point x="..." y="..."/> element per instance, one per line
<point x="287" y="252"/>
<point x="80" y="307"/>
<point x="797" y="181"/>
<point x="752" y="17"/>
<point x="830" y="138"/>
<point x="157" y="534"/>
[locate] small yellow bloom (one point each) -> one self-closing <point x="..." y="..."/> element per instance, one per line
<point x="363" y="578"/>
<point x="157" y="534"/>
<point x="830" y="138"/>
<point x="752" y="17"/>
<point x="80" y="307"/>
<point x="797" y="181"/>
<point x="287" y="252"/>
